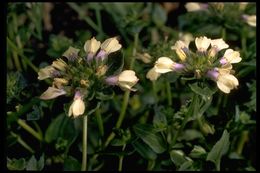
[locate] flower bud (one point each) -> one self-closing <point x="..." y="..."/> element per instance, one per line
<point x="127" y="79"/>
<point x="78" y="106"/>
<point x="45" y="72"/>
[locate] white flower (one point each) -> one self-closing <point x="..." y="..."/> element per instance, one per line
<point x="202" y="43"/>
<point x="227" y="82"/>
<point x="111" y="45"/>
<point x="164" y="65"/>
<point x="59" y="64"/>
<point x="180" y="47"/>
<point x="231" y="56"/>
<point x="193" y="6"/>
<point x="52" y="93"/>
<point x="78" y="106"/>
<point x="250" y="20"/>
<point x="219" y="44"/>
<point x="91" y="46"/>
<point x="127" y="79"/>
<point x="45" y="72"/>
<point x="152" y="74"/>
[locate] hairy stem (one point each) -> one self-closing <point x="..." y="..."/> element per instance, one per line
<point x="120" y="165"/>
<point x="84" y="144"/>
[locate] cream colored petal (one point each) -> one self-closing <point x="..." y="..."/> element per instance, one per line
<point x="45" y="72"/>
<point x="111" y="45"/>
<point x="232" y="56"/>
<point x="78" y="107"/>
<point x="251" y="20"/>
<point x="192" y="6"/>
<point x="92" y="45"/>
<point x="52" y="93"/>
<point x="202" y="43"/>
<point x="219" y="43"/>
<point x="127" y="79"/>
<point x="152" y="74"/>
<point x="164" y="65"/>
<point x="223" y="87"/>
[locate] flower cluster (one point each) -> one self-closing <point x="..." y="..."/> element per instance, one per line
<point x="220" y="6"/>
<point x="206" y="62"/>
<point x="83" y="76"/>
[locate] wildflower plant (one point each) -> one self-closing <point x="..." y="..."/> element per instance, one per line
<point x="86" y="78"/>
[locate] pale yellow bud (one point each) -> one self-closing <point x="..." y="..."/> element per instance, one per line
<point x="59" y="82"/>
<point x="84" y="83"/>
<point x="193" y="6"/>
<point x="45" y="72"/>
<point x="146" y="58"/>
<point x="101" y="70"/>
<point x="77" y="108"/>
<point x="59" y="64"/>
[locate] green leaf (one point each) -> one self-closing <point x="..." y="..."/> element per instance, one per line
<point x="149" y="135"/>
<point x="71" y="164"/>
<point x="197" y="152"/>
<point x="144" y="150"/>
<point x="52" y="131"/>
<point x="177" y="157"/>
<point x="219" y="149"/>
<point x="15" y="164"/>
<point x="190" y="135"/>
<point x="186" y="166"/>
<point x="32" y="164"/>
<point x="41" y="163"/>
<point x="159" y="15"/>
<point x="159" y="119"/>
<point x="205" y="92"/>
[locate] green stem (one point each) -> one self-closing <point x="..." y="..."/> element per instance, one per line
<point x="169" y="94"/>
<point x="23" y="124"/>
<point x="17" y="62"/>
<point x="100" y="122"/>
<point x="126" y="96"/>
<point x="243" y="139"/>
<point x="151" y="164"/>
<point x="22" y="142"/>
<point x="186" y="118"/>
<point x="120" y="165"/>
<point x="84" y="144"/>
<point x="99" y="21"/>
<point x="223" y="33"/>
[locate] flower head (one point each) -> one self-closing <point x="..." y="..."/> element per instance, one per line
<point x="78" y="106"/>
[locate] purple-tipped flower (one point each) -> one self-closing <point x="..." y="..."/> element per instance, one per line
<point x="101" y="55"/>
<point x="213" y="74"/>
<point x="223" y="61"/>
<point x="178" y="67"/>
<point x="111" y="80"/>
